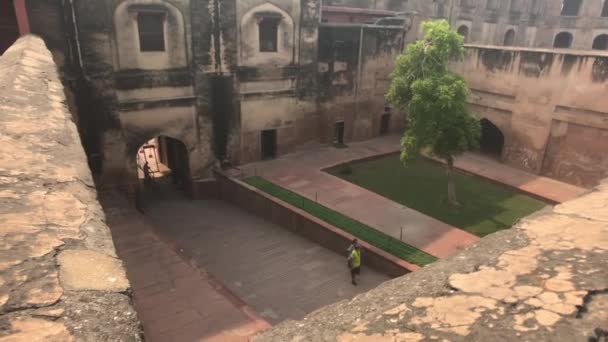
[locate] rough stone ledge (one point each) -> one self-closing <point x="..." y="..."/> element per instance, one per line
<point x="544" y="279"/>
<point x="60" y="279"/>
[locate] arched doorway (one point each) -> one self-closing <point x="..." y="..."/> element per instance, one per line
<point x="162" y="167"/>
<point x="509" y="38"/>
<point x="464" y="32"/>
<point x="563" y="40"/>
<point x="600" y="42"/>
<point x="492" y="140"/>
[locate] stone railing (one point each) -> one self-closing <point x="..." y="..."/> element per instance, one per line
<point x="544" y="279"/>
<point x="60" y="279"/>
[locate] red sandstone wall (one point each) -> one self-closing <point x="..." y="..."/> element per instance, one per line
<point x="551" y="106"/>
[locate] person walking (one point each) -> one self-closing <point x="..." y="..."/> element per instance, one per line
<point x="147" y="174"/>
<point x="354" y="261"/>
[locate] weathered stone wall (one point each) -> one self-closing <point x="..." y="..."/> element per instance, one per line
<point x="212" y="88"/>
<point x="126" y="96"/>
<point x="534" y="23"/>
<point x="543" y="280"/>
<point x="551" y="107"/>
<point x="354" y="67"/>
<point x="277" y="89"/>
<point x="60" y="279"/>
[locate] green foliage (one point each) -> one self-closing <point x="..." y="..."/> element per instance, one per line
<point x="356" y="228"/>
<point x="434" y="97"/>
<point x="486" y="207"/>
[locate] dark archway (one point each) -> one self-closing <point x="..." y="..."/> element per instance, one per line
<point x="492" y="140"/>
<point x="509" y="38"/>
<point x="464" y="31"/>
<point x="600" y="42"/>
<point x="9" y="28"/>
<point x="163" y="164"/>
<point x="563" y="40"/>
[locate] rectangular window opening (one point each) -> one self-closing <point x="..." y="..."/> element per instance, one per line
<point x="151" y="27"/>
<point x="268" y="34"/>
<point x="269" y="144"/>
<point x="570" y="8"/>
<point x="385" y="124"/>
<point x="605" y="9"/>
<point x="339" y="133"/>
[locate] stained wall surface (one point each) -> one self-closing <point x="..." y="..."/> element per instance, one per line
<point x="550" y="105"/>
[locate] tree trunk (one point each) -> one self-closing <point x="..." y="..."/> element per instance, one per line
<point x="451" y="186"/>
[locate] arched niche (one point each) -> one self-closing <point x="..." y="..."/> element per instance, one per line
<point x="135" y="21"/>
<point x="256" y="26"/>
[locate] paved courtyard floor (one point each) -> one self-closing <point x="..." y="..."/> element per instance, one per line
<point x="174" y="300"/>
<point x="278" y="273"/>
<point x="302" y="172"/>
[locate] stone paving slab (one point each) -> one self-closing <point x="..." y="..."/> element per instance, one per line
<point x="174" y="300"/>
<point x="281" y="275"/>
<point x="302" y="172"/>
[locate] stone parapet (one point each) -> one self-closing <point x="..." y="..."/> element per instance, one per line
<point x="60" y="278"/>
<point x="543" y="280"/>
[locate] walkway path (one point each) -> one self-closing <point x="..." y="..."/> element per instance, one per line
<point x="280" y="274"/>
<point x="303" y="173"/>
<point x="174" y="301"/>
<point x="543" y="187"/>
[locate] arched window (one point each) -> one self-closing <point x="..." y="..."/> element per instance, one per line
<point x="464" y="31"/>
<point x="600" y="42"/>
<point x="150" y="35"/>
<point x="509" y="37"/>
<point x="571" y="7"/>
<point x="563" y="40"/>
<point x="266" y="36"/>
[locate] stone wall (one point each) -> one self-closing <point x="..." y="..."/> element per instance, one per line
<point x="550" y="105"/>
<point x="530" y="23"/>
<point x="277" y="89"/>
<point x="211" y="88"/>
<point x="354" y="66"/>
<point x="542" y="280"/>
<point x="60" y="279"/>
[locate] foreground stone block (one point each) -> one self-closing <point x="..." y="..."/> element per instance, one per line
<point x="59" y="276"/>
<point x="88" y="270"/>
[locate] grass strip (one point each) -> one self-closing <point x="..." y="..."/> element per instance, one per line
<point x="361" y="231"/>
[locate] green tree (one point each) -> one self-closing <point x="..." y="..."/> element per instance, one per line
<point x="434" y="98"/>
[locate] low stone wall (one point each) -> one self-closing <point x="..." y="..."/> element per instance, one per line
<point x="60" y="279"/>
<point x="304" y="224"/>
<point x="543" y="280"/>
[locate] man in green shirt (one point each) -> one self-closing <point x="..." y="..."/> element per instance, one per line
<point x="354" y="261"/>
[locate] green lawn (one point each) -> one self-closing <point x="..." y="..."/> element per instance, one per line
<point x="485" y="208"/>
<point x="358" y="229"/>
